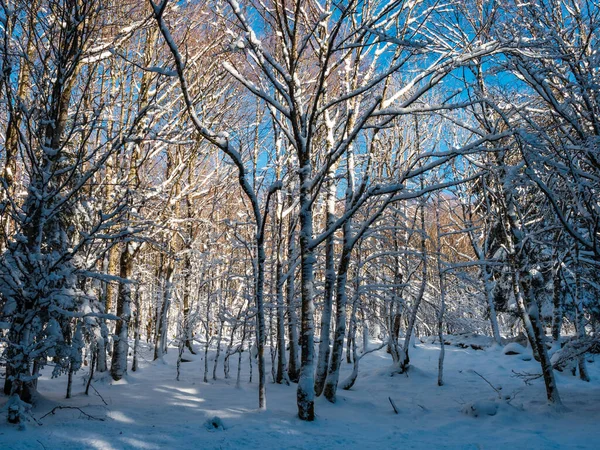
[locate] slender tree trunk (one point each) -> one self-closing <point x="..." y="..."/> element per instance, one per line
<point x="395" y="311"/>
<point x="442" y="296"/>
<point x="333" y="374"/>
<point x="405" y="360"/>
<point x="489" y="295"/>
<point x="522" y="311"/>
<point x="557" y="301"/>
<point x="69" y="381"/>
<point x="306" y="384"/>
<point x="294" y="362"/>
<point x="324" y="348"/>
<point x="531" y="316"/>
<point x="101" y="336"/>
<point x="113" y="269"/>
<point x="169" y="286"/>
<point x="349" y="382"/>
<point x="239" y="367"/>
<point x="579" y="317"/>
<point x="118" y="368"/>
<point x="187" y="264"/>
<point x="282" y="371"/>
<point x="260" y="323"/>
<point x="162" y="323"/>
<point x="207" y="334"/>
<point x="136" y="327"/>
<point x="219" y="339"/>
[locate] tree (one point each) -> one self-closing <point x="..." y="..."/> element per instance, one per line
<point x="59" y="235"/>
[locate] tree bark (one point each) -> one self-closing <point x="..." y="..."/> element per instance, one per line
<point x="293" y="339"/>
<point x="333" y="374"/>
<point x="324" y="347"/>
<point x="306" y="386"/>
<point x="118" y="367"/>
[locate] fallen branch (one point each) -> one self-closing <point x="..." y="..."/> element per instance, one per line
<point x="575" y="349"/>
<point x="90" y="417"/>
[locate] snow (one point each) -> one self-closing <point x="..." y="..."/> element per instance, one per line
<point x="514" y="348"/>
<point x="151" y="410"/>
<point x="481" y="407"/>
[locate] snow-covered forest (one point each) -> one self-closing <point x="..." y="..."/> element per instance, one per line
<point x="299" y="223"/>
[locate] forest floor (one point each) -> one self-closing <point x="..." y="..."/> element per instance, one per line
<point x="151" y="410"/>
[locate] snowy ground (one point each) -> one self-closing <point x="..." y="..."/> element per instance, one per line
<point x="151" y="410"/>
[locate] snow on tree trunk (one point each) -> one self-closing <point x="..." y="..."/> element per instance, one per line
<point x="261" y="331"/>
<point x="188" y="326"/>
<point x="306" y="386"/>
<point x="412" y="318"/>
<point x="324" y="347"/>
<point x="440" y="324"/>
<point x="489" y="295"/>
<point x="531" y="315"/>
<point x="282" y="371"/>
<point x="557" y="302"/>
<point x="219" y="340"/>
<point x="293" y="339"/>
<point x="341" y="301"/>
<point x="118" y="367"/>
<point x="579" y="317"/>
<point x="162" y="326"/>
<point x="101" y="338"/>
<point x="136" y="329"/>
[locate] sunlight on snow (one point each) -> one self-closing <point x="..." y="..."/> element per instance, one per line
<point x="136" y="443"/>
<point x="119" y="417"/>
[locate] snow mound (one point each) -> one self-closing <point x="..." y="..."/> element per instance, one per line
<point x="214" y="424"/>
<point x="514" y="348"/>
<point x="481" y="408"/>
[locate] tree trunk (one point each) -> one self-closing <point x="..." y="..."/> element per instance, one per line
<point x="282" y="372"/>
<point x="162" y="317"/>
<point x="187" y="264"/>
<point x="136" y="328"/>
<point x="118" y="368"/>
<point x="440" y="323"/>
<point x="489" y="295"/>
<point x="531" y="315"/>
<point x="294" y="362"/>
<point x="306" y="384"/>
<point x="333" y="374"/>
<point x="579" y="317"/>
<point x="405" y="359"/>
<point x="557" y="301"/>
<point x="324" y="348"/>
<point x="260" y="324"/>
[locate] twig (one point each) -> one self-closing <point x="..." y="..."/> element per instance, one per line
<point x="91" y="375"/>
<point x="527" y="377"/>
<point x="98" y="394"/>
<point x="379" y="347"/>
<point x="393" y="405"/>
<point x="72" y="407"/>
<point x="492" y="386"/>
